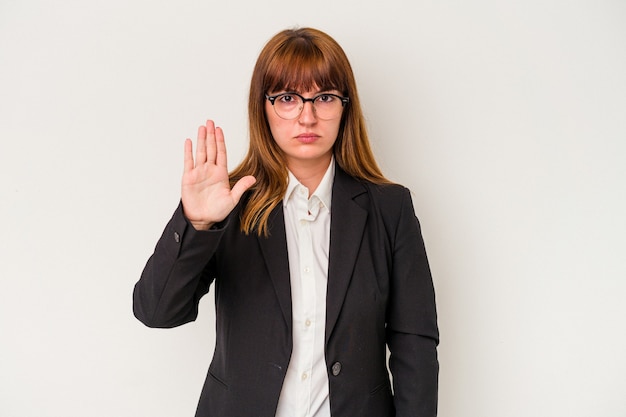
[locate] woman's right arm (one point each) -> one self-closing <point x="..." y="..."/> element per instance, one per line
<point x="179" y="273"/>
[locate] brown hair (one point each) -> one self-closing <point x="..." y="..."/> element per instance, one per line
<point x="299" y="59"/>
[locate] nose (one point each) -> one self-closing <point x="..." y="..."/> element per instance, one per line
<point x="307" y="115"/>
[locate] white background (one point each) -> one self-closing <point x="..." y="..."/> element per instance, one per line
<point x="507" y="119"/>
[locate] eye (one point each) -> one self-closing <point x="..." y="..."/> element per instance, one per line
<point x="287" y="98"/>
<point x="325" y="98"/>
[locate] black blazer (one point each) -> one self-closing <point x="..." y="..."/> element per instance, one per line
<point x="380" y="293"/>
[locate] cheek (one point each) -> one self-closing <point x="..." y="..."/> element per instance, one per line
<point x="272" y="120"/>
<point x="336" y="130"/>
<point x="281" y="129"/>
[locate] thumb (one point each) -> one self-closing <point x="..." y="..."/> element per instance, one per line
<point x="241" y="186"/>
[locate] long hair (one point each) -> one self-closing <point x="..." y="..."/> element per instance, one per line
<point x="299" y="59"/>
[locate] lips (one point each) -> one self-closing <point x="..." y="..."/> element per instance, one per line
<point x="307" y="137"/>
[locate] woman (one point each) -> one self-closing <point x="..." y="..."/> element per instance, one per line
<point x="317" y="259"/>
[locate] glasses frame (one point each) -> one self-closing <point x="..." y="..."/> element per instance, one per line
<point x="272" y="99"/>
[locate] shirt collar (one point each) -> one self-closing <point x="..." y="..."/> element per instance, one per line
<point x="324" y="191"/>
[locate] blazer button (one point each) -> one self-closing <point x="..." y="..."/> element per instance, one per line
<point x="336" y="368"/>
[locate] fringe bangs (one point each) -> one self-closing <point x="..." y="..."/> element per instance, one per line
<point x="300" y="66"/>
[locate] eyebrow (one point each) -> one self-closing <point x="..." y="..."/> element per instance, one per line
<point x="325" y="91"/>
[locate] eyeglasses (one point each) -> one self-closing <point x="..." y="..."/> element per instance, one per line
<point x="326" y="106"/>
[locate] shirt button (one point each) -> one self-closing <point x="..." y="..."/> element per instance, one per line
<point x="304" y="376"/>
<point x="307" y="323"/>
<point x="307" y="270"/>
<point x="336" y="368"/>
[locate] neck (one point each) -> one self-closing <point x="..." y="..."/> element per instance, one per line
<point x="310" y="173"/>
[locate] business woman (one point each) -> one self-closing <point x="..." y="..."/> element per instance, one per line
<point x="317" y="260"/>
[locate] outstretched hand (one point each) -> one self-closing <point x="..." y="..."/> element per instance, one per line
<point x="206" y="194"/>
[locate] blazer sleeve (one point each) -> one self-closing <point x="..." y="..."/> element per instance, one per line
<point x="412" y="332"/>
<point x="177" y="274"/>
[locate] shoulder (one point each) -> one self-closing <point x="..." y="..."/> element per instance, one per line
<point x="386" y="192"/>
<point x="354" y="187"/>
<point x="391" y="202"/>
<point x="383" y="199"/>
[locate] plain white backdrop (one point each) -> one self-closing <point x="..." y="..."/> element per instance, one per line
<point x="507" y="119"/>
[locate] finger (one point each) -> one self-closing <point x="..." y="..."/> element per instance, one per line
<point x="210" y="141"/>
<point x="201" y="146"/>
<point x="188" y="165"/>
<point x="220" y="159"/>
<point x="241" y="186"/>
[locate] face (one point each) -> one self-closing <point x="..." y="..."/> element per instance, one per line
<point x="306" y="141"/>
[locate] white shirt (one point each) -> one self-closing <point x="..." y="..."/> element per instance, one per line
<point x="307" y="226"/>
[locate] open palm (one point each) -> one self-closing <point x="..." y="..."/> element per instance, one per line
<point x="206" y="194"/>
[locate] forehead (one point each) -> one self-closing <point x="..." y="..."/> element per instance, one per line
<point x="314" y="91"/>
<point x="303" y="74"/>
<point x="303" y="83"/>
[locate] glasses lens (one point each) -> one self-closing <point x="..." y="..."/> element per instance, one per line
<point x="288" y="106"/>
<point x="326" y="106"/>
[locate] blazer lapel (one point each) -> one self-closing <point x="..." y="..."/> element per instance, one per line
<point x="274" y="249"/>
<point x="346" y="231"/>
